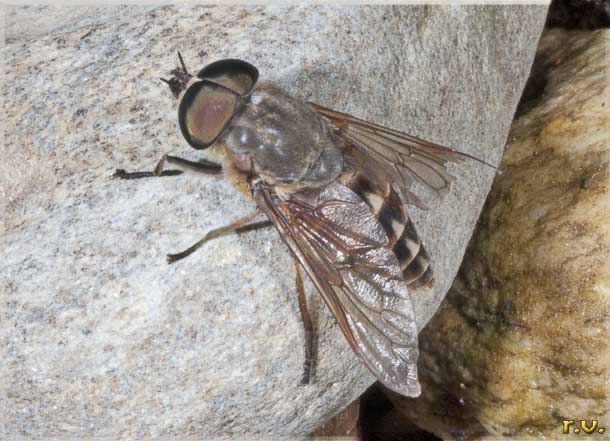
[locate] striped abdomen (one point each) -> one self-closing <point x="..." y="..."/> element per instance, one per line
<point x="393" y="216"/>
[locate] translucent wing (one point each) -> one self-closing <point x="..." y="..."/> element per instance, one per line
<point x="406" y="158"/>
<point x="345" y="250"/>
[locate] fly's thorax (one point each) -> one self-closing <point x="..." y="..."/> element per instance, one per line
<point x="287" y="141"/>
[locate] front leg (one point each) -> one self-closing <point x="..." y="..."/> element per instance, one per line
<point x="182" y="165"/>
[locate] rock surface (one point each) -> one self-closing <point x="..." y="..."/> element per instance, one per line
<point x="522" y="340"/>
<point x="100" y="337"/>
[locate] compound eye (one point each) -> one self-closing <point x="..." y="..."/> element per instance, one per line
<point x="204" y="112"/>
<point x="236" y="75"/>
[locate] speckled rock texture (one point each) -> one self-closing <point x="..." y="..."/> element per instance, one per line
<point x="100" y="337"/>
<point x="522" y="340"/>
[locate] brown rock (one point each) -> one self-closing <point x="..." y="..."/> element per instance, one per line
<point x="522" y="340"/>
<point x="344" y="424"/>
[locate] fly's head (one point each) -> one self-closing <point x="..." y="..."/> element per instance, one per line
<point x="266" y="132"/>
<point x="209" y="100"/>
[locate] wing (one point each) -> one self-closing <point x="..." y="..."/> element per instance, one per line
<point x="406" y="158"/>
<point x="345" y="251"/>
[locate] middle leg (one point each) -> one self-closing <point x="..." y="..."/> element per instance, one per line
<point x="241" y="225"/>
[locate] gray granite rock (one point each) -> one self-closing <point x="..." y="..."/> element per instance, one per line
<point x="99" y="335"/>
<point x="522" y="340"/>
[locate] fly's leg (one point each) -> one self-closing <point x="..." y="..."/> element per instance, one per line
<point x="182" y="165"/>
<point x="202" y="166"/>
<point x="241" y="225"/>
<point x="307" y="324"/>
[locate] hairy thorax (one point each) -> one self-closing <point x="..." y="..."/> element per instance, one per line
<point x="283" y="141"/>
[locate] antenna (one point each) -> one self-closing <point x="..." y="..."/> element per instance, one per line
<point x="180" y="78"/>
<point x="182" y="62"/>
